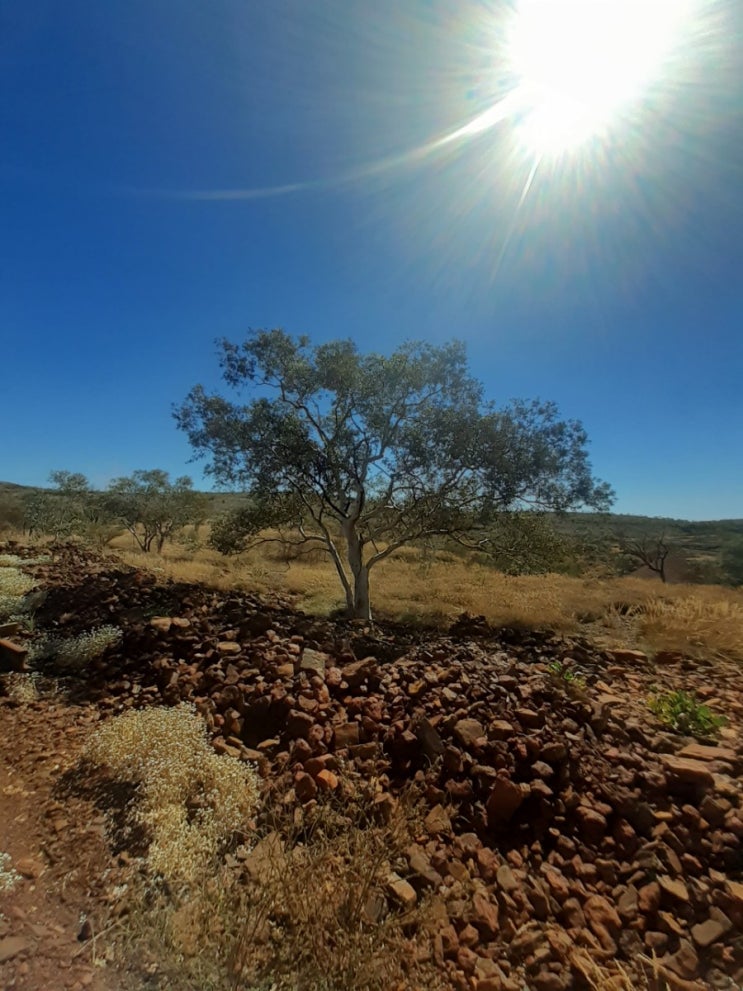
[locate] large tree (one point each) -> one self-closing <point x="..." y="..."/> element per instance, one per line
<point x="377" y="450"/>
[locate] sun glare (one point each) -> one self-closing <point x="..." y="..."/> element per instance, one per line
<point x="579" y="64"/>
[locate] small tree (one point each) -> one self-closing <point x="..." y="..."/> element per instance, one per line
<point x="381" y="451"/>
<point x="152" y="508"/>
<point x="651" y="552"/>
<point x="71" y="507"/>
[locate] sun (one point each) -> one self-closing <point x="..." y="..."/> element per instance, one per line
<point x="580" y="64"/>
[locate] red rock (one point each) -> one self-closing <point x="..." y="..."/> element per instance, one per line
<point x="604" y="921"/>
<point x="684" y="962"/>
<point x="553" y="753"/>
<point x="572" y="914"/>
<point x="13" y="946"/>
<point x="686" y="771"/>
<point x="228" y="647"/>
<point x="346" y="735"/>
<point x="468" y="731"/>
<point x="506" y="879"/>
<point x="161" y="623"/>
<point x="356" y="673"/>
<point x="505" y="798"/>
<point x="648" y="898"/>
<point x="421" y="867"/>
<point x="591" y="824"/>
<point x="299" y="723"/>
<point x="706" y="933"/>
<point x="697" y="751"/>
<point x="628" y="656"/>
<point x="313" y="660"/>
<point x="466" y="959"/>
<point x="304" y="787"/>
<point x="674" y="887"/>
<point x="485" y="915"/>
<point x="12" y="656"/>
<point x="29" y="867"/>
<point x="656" y="942"/>
<point x="402" y="891"/>
<point x="547" y="980"/>
<point x="327" y="781"/>
<point x="529" y="718"/>
<point x="499" y="729"/>
<point x="437" y="820"/>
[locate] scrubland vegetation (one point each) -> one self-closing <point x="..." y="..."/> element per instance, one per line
<point x="425" y="588"/>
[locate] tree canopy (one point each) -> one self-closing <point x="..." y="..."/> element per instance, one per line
<point x="152" y="508"/>
<point x="378" y="450"/>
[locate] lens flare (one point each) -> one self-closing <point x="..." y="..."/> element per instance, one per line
<point x="581" y="63"/>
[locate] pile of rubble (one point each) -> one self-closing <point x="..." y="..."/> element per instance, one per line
<point x="566" y="827"/>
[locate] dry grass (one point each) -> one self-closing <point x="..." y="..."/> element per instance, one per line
<point x="290" y="914"/>
<point x="409" y="586"/>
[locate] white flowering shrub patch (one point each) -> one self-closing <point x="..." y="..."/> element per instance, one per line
<point x="74" y="653"/>
<point x="13" y="560"/>
<point x="14" y="582"/>
<point x="190" y="800"/>
<point x="14" y="585"/>
<point x="9" y="876"/>
<point x="22" y="686"/>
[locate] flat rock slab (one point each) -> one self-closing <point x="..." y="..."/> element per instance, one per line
<point x="13" y="946"/>
<point x="698" y="751"/>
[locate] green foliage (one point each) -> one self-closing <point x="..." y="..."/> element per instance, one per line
<point x="381" y="450"/>
<point x="70" y="508"/>
<point x="527" y="543"/>
<point x="564" y="673"/>
<point x="732" y="563"/>
<point x="152" y="508"/>
<point x="685" y="714"/>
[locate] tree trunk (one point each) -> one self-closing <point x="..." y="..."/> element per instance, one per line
<point x="361" y="601"/>
<point x="361" y="605"/>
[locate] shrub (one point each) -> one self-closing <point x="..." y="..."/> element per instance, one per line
<point x="14" y="585"/>
<point x="190" y="800"/>
<point x="9" y="876"/>
<point x="75" y="653"/>
<point x="683" y="713"/>
<point x="564" y="673"/>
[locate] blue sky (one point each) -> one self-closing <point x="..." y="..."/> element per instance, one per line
<point x="614" y="287"/>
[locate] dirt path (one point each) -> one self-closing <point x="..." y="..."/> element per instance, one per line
<point x="54" y="920"/>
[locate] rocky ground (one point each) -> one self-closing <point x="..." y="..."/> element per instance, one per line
<point x="565" y="826"/>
